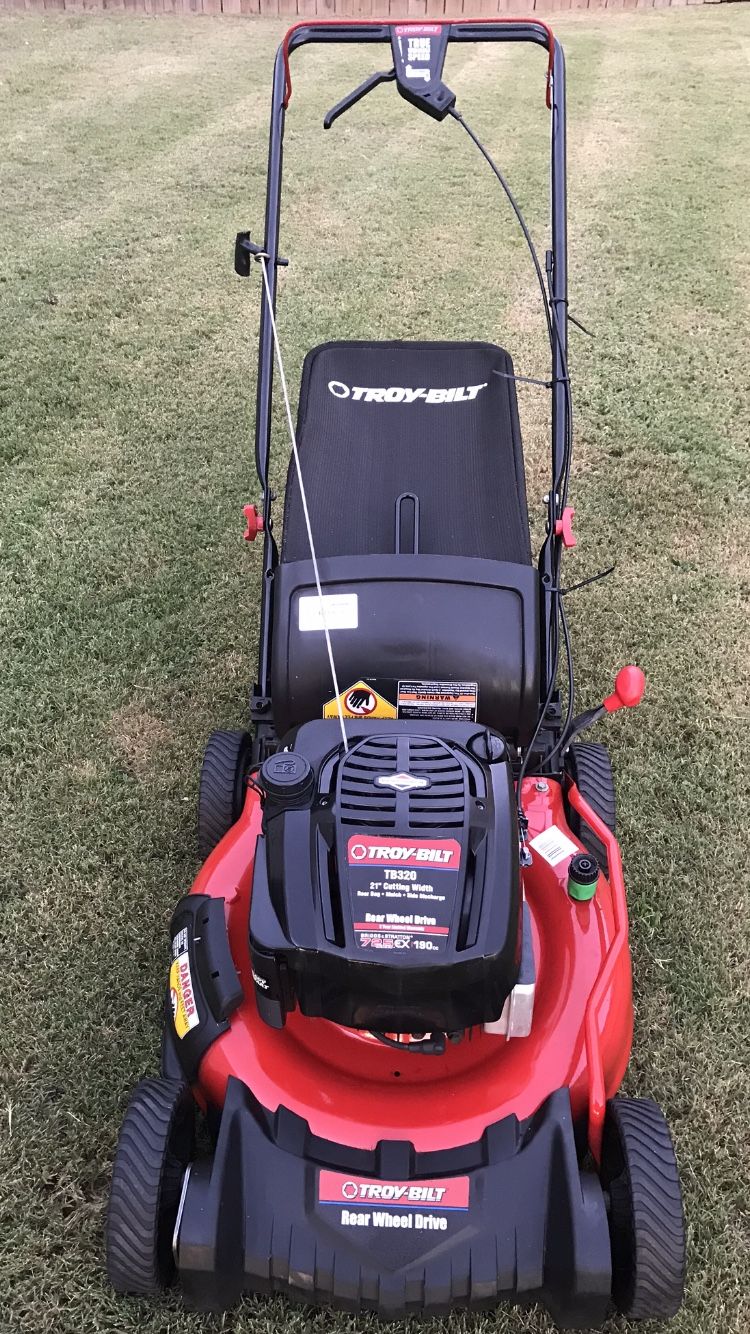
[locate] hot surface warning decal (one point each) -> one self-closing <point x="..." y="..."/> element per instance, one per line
<point x="361" y="700"/>
<point x="381" y="697"/>
<point x="402" y="892"/>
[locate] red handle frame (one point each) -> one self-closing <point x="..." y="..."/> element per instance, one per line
<point x="413" y="23"/>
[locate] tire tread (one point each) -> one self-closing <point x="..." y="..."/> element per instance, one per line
<point x="219" y="804"/>
<point x="590" y="767"/>
<point x="646" y="1204"/>
<point x="146" y="1182"/>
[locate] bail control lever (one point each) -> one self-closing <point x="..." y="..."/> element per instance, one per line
<point x="418" y="59"/>
<point x="351" y="99"/>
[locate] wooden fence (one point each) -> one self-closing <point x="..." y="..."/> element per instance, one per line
<point x="414" y="9"/>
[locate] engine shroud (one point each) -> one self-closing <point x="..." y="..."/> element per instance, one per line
<point x="386" y="890"/>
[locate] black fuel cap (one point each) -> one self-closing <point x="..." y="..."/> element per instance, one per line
<point x="286" y="776"/>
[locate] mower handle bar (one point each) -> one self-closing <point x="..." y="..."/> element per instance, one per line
<point x="369" y="31"/>
<point x="459" y="30"/>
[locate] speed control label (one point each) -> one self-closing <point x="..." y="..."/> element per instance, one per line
<point x="402" y="892"/>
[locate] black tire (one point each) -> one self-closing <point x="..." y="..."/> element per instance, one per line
<point x="590" y="768"/>
<point x="222" y="787"/>
<point x="154" y="1148"/>
<point x="646" y="1218"/>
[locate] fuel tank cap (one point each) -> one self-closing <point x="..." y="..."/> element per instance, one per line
<point x="286" y="776"/>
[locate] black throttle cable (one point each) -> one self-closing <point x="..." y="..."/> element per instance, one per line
<point x="556" y="341"/>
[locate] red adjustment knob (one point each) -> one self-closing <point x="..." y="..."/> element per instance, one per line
<point x="630" y="684"/>
<point x="564" y="527"/>
<point x="255" y="522"/>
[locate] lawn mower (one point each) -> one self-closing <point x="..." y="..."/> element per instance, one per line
<point x="399" y="1001"/>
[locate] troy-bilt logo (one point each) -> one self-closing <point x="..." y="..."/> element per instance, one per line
<point x="462" y="393"/>
<point x="418" y="30"/>
<point x="443" y="853"/>
<point x="442" y="1193"/>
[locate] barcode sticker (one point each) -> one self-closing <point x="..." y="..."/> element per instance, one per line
<point x="553" y="845"/>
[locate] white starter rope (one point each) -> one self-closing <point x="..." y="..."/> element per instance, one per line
<point x="303" y="497"/>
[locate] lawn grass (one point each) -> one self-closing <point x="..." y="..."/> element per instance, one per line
<point x="131" y="152"/>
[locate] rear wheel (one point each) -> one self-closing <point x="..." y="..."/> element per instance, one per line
<point x="589" y="766"/>
<point x="153" y="1151"/>
<point x="646" y="1219"/>
<point x="222" y="786"/>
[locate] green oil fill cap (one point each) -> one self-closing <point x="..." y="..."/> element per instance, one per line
<point x="583" y="874"/>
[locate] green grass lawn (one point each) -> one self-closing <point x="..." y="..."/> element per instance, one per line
<point x="131" y="150"/>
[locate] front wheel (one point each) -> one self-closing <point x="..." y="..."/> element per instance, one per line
<point x="589" y="766"/>
<point x="646" y="1219"/>
<point x="153" y="1151"/>
<point x="222" y="787"/>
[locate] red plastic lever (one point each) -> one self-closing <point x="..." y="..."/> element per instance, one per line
<point x="564" y="527"/>
<point x="255" y="522"/>
<point x="630" y="684"/>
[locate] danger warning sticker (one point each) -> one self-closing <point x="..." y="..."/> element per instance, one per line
<point x="361" y="700"/>
<point x="184" y="1009"/>
<point x="402" y="892"/>
<point x="447" y="701"/>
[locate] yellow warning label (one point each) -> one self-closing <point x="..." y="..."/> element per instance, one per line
<point x="360" y="701"/>
<point x="184" y="1009"/>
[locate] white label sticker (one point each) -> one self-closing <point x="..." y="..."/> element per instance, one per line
<point x="553" y="845"/>
<point x="341" y="611"/>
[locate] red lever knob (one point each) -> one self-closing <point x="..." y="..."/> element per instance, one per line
<point x="255" y="523"/>
<point x="564" y="527"/>
<point x="630" y="684"/>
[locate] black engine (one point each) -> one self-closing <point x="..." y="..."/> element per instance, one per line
<point x="386" y="889"/>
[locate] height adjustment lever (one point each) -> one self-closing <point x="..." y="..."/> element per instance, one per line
<point x="351" y="99"/>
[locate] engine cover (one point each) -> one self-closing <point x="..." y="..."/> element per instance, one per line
<point x="388" y="896"/>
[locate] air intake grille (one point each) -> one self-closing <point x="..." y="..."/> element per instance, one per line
<point x="360" y="802"/>
<point x="441" y="805"/>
